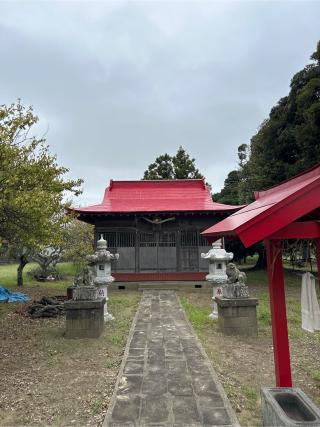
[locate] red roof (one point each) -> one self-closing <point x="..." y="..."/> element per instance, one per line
<point x="156" y="196"/>
<point x="273" y="209"/>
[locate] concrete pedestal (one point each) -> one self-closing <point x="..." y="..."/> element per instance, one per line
<point x="84" y="319"/>
<point x="237" y="316"/>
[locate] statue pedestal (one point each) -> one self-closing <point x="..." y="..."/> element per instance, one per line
<point x="237" y="316"/>
<point x="84" y="319"/>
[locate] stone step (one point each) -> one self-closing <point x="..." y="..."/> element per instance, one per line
<point x="165" y="285"/>
<point x="173" y="286"/>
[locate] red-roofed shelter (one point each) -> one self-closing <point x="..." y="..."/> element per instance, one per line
<point x="290" y="210"/>
<point x="155" y="226"/>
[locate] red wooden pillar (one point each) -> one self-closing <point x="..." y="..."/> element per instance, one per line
<point x="278" y="314"/>
<point x="318" y="256"/>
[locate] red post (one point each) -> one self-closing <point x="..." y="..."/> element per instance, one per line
<point x="318" y="256"/>
<point x="278" y="314"/>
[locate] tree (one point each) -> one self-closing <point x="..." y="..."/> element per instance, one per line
<point x="288" y="142"/>
<point x="162" y="168"/>
<point x="230" y="191"/>
<point x="32" y="186"/>
<point x="47" y="258"/>
<point x="184" y="167"/>
<point x="78" y="239"/>
<point x="234" y="191"/>
<point x="179" y="166"/>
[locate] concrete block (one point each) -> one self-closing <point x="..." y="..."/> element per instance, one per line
<point x="84" y="319"/>
<point x="250" y="331"/>
<point x="238" y="322"/>
<point x="237" y="316"/>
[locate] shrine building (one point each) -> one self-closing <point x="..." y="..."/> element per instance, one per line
<point x="155" y="227"/>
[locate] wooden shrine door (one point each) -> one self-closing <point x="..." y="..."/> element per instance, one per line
<point x="157" y="251"/>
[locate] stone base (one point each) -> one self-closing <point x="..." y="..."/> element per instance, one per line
<point x="84" y="319"/>
<point x="237" y="316"/>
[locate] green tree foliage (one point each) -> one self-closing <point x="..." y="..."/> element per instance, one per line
<point x="32" y="185"/>
<point x="161" y="168"/>
<point x="184" y="167"/>
<point x="230" y="192"/>
<point x="179" y="166"/>
<point x="78" y="240"/>
<point x="288" y="142"/>
<point x="234" y="191"/>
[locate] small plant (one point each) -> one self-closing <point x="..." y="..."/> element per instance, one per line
<point x="316" y="376"/>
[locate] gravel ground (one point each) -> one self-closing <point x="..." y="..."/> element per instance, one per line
<point x="49" y="380"/>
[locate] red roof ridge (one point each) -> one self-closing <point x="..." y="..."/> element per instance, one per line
<point x="157" y="180"/>
<point x="172" y="195"/>
<point x="273" y="209"/>
<point x="290" y="182"/>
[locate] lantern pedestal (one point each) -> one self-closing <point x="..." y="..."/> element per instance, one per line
<point x="217" y="292"/>
<point x="103" y="293"/>
<point x="237" y="316"/>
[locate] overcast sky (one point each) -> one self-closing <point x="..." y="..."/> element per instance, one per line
<point x="119" y="83"/>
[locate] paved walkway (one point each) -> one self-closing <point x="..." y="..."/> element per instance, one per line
<point x="166" y="378"/>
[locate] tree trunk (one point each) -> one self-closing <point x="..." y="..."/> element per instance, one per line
<point x="23" y="261"/>
<point x="262" y="259"/>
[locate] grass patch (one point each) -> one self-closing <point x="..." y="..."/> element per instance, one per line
<point x="8" y="276"/>
<point x="198" y="316"/>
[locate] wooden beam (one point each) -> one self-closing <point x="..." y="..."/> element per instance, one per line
<point x="298" y="230"/>
<point x="278" y="314"/>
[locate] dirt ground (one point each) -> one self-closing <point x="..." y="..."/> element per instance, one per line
<point x="49" y="380"/>
<point x="245" y="364"/>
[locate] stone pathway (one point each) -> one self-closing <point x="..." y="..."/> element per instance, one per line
<point x="166" y="378"/>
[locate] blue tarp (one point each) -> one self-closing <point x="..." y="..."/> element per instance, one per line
<point x="7" y="296"/>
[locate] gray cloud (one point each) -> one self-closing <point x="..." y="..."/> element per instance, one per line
<point x="119" y="83"/>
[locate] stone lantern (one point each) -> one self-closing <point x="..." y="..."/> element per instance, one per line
<point x="218" y="259"/>
<point x="100" y="263"/>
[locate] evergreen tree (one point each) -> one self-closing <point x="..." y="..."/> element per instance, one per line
<point x="184" y="167"/>
<point x="234" y="191"/>
<point x="288" y="142"/>
<point x="179" y="166"/>
<point x="230" y="192"/>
